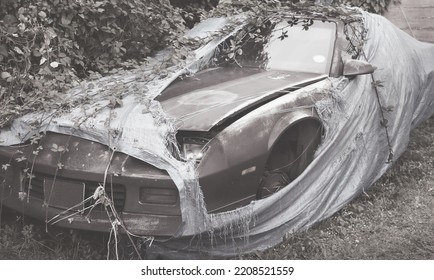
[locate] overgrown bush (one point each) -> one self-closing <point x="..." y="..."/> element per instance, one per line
<point x="48" y="45"/>
<point x="192" y="10"/>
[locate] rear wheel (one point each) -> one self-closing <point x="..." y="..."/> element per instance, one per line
<point x="290" y="156"/>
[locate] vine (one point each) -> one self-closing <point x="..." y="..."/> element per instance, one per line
<point x="49" y="46"/>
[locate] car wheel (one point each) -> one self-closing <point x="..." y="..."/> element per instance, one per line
<point x="272" y="182"/>
<point x="290" y="156"/>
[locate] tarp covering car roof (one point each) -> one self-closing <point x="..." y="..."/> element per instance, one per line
<point x="354" y="153"/>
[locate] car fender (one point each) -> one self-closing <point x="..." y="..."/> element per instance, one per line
<point x="286" y="121"/>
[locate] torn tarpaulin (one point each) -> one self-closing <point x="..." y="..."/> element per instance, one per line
<point x="352" y="156"/>
<point x="354" y="153"/>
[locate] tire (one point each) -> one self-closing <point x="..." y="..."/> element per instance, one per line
<point x="271" y="183"/>
<point x="290" y="156"/>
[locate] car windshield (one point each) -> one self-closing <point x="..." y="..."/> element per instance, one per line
<point x="304" y="47"/>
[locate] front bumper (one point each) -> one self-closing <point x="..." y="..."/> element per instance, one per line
<point x="35" y="186"/>
<point x="138" y="224"/>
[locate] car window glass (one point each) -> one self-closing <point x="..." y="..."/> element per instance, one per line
<point x="301" y="47"/>
<point x="302" y="50"/>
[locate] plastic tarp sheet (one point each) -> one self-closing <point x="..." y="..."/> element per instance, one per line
<point x="354" y="152"/>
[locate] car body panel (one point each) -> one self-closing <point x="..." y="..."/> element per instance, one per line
<point x="136" y="223"/>
<point x="38" y="181"/>
<point x="254" y="135"/>
<point x="204" y="108"/>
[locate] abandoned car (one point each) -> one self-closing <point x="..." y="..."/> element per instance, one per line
<point x="247" y="120"/>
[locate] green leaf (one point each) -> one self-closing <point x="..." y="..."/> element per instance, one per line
<point x="54" y="147"/>
<point x="18" y="50"/>
<point x="36" y="53"/>
<point x="42" y="14"/>
<point x="66" y="19"/>
<point x="5" y="75"/>
<point x="98" y="4"/>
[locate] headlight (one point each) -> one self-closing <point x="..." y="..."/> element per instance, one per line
<point x="194" y="148"/>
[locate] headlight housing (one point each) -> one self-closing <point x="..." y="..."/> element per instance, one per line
<point x="194" y="148"/>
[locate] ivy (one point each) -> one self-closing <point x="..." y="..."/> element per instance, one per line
<point x="50" y="46"/>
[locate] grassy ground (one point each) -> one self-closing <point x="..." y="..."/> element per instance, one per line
<point x="24" y="238"/>
<point x="393" y="220"/>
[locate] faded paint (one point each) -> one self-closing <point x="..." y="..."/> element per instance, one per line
<point x="200" y="110"/>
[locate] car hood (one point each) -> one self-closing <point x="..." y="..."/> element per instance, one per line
<point x="215" y="95"/>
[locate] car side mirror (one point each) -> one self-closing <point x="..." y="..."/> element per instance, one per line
<point x="354" y="67"/>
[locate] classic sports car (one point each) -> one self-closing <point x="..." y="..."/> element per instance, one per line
<point x="248" y="120"/>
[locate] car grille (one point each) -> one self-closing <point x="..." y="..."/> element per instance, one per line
<point x="36" y="186"/>
<point x="117" y="196"/>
